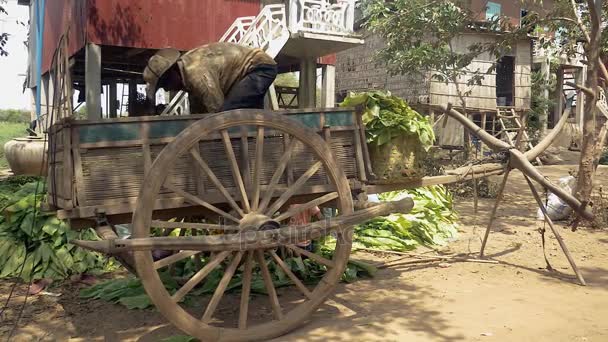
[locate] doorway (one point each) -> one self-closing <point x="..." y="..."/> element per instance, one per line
<point x="505" y="81"/>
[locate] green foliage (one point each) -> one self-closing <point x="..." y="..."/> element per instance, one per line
<point x="41" y="240"/>
<point x="540" y="104"/>
<point x="287" y="79"/>
<point x="386" y="117"/>
<point x="179" y="338"/>
<point x="419" y="36"/>
<point x="15" y="115"/>
<point x="432" y="221"/>
<point x="9" y="131"/>
<point x="130" y="292"/>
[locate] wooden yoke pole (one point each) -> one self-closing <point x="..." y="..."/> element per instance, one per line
<point x="561" y="242"/>
<point x="494" y="210"/>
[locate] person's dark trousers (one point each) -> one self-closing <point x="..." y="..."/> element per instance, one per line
<point x="250" y="91"/>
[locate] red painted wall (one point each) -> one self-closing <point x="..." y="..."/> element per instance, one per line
<point x="150" y="24"/>
<point x="59" y="15"/>
<point x="182" y="24"/>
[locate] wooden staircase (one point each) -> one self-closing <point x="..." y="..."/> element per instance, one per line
<point x="512" y="130"/>
<point x="311" y="28"/>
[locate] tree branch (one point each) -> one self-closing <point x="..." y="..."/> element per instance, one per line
<point x="586" y="90"/>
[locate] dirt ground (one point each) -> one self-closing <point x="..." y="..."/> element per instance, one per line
<point x="516" y="299"/>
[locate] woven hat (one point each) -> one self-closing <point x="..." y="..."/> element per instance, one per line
<point x="158" y="64"/>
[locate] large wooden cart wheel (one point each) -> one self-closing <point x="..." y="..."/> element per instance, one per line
<point x="253" y="201"/>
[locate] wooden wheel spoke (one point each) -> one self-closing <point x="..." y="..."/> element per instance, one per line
<point x="174" y="258"/>
<point x="293" y="189"/>
<point x="309" y="205"/>
<point x="272" y="293"/>
<point x="277" y="174"/>
<point x="221" y="288"/>
<point x="291" y="276"/>
<point x="203" y="165"/>
<point x="236" y="172"/>
<point x="190" y="225"/>
<point x="259" y="155"/>
<point x="321" y="260"/>
<point x="199" y="276"/>
<point x="245" y="291"/>
<point x="195" y="200"/>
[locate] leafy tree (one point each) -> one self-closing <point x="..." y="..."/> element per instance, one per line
<point x="419" y="36"/>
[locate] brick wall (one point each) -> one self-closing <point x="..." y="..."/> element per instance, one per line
<point x="356" y="70"/>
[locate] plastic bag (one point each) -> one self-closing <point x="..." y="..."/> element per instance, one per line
<point x="556" y="208"/>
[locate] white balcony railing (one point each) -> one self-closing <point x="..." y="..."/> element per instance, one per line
<point x="335" y="17"/>
<point x="268" y="31"/>
<point x="237" y="30"/>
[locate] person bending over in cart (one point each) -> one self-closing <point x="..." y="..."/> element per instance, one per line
<point x="217" y="76"/>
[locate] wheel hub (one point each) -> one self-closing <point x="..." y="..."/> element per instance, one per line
<point x="255" y="221"/>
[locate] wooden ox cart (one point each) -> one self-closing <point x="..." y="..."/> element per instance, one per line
<point x="229" y="180"/>
<point x="236" y="173"/>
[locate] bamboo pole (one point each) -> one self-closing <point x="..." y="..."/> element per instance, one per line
<point x="558" y="236"/>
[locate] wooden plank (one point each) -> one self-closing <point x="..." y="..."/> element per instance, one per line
<point x="245" y="165"/>
<point x="289" y="167"/>
<point x="78" y="174"/>
<point x="191" y="225"/>
<point x="259" y="155"/>
<point x="68" y="171"/>
<point x="359" y="155"/>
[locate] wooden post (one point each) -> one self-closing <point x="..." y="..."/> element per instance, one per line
<point x="93" y="80"/>
<point x="484" y="121"/>
<point x="113" y="107"/>
<point x="328" y="95"/>
<point x="559" y="108"/>
<point x="307" y="91"/>
<point x="544" y="116"/>
<point x="132" y="95"/>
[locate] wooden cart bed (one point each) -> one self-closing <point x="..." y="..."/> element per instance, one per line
<point x="101" y="164"/>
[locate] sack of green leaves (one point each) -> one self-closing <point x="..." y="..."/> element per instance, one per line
<point x="34" y="245"/>
<point x="397" y="135"/>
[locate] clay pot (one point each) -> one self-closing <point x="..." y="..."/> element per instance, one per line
<point x="27" y="156"/>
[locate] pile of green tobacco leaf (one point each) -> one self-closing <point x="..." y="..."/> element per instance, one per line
<point x="130" y="292"/>
<point x="386" y="116"/>
<point x="34" y="245"/>
<point x="432" y="221"/>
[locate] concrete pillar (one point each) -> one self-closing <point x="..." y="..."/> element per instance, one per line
<point x="543" y="119"/>
<point x="307" y="92"/>
<point x="559" y="103"/>
<point x="580" y="78"/>
<point x="328" y="95"/>
<point x="93" y="80"/>
<point x="113" y="108"/>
